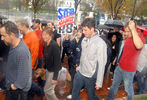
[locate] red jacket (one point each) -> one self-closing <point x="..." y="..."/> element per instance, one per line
<point x="39" y="34"/>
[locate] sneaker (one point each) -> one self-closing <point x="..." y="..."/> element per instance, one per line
<point x="69" y="96"/>
<point x="1" y="89"/>
<point x="108" y="88"/>
<point x="82" y="90"/>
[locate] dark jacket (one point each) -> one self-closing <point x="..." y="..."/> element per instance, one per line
<point x="66" y="46"/>
<point x="3" y="49"/>
<point x="52" y="58"/>
<point x="76" y="49"/>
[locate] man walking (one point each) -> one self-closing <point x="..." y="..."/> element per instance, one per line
<point x="18" y="69"/>
<point x="92" y="62"/>
<point x="36" y="28"/>
<point x="128" y="62"/>
<point x="30" y="38"/>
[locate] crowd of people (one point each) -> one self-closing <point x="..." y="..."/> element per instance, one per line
<point x="25" y="48"/>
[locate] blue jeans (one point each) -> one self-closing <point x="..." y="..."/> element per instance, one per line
<point x="81" y="81"/>
<point x="119" y="76"/>
<point x="142" y="81"/>
<point x="35" y="89"/>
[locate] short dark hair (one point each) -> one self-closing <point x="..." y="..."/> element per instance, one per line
<point x="49" y="31"/>
<point x="89" y="22"/>
<point x="36" y="21"/>
<point x="11" y="27"/>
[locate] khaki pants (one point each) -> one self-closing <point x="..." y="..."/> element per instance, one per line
<point x="49" y="87"/>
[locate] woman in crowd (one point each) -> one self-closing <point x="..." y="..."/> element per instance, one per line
<point x="52" y="63"/>
<point x="114" y="52"/>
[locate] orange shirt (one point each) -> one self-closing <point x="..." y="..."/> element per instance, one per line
<point x="32" y="42"/>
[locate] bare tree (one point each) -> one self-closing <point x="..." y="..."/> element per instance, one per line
<point x="115" y="8"/>
<point x="35" y="5"/>
<point x="52" y="5"/>
<point x="4" y="4"/>
<point x="77" y="2"/>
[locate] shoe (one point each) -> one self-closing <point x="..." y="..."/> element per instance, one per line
<point x="82" y="90"/>
<point x="69" y="96"/>
<point x="1" y="89"/>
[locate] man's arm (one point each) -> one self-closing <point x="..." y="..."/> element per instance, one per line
<point x="58" y="41"/>
<point x="24" y="71"/>
<point x="56" y="62"/>
<point x="102" y="59"/>
<point x="136" y="39"/>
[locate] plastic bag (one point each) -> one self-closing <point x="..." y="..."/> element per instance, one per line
<point x="63" y="86"/>
<point x="64" y="75"/>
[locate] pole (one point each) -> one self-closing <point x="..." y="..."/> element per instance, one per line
<point x="133" y="10"/>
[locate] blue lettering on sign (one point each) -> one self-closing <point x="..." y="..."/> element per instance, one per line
<point x="63" y="12"/>
<point x="72" y="11"/>
<point x="59" y="13"/>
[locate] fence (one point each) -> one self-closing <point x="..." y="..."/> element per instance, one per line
<point x="12" y="15"/>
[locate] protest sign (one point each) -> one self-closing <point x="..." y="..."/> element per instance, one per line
<point x="65" y="20"/>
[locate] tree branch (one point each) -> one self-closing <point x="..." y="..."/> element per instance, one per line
<point x="111" y="7"/>
<point x="121" y="3"/>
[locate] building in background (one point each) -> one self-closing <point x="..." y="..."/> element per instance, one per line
<point x="65" y="3"/>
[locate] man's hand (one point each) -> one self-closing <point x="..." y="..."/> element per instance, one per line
<point x="13" y="87"/>
<point x="136" y="39"/>
<point x="54" y="81"/>
<point x="97" y="87"/>
<point x="77" y="67"/>
<point x="114" y="61"/>
<point x="132" y="25"/>
<point x="1" y="59"/>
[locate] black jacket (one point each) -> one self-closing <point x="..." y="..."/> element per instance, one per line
<point x="76" y="49"/>
<point x="52" y="58"/>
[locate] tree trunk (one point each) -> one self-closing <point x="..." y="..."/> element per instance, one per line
<point x="35" y="15"/>
<point x="19" y="5"/>
<point x="111" y="8"/>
